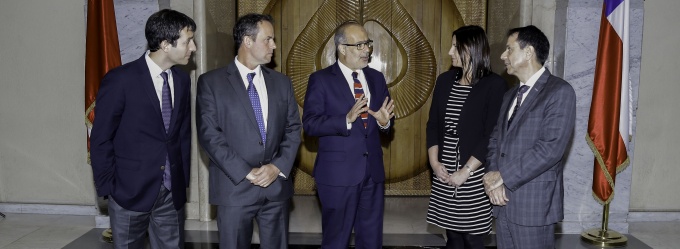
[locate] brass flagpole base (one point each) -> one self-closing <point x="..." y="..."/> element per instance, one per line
<point x="604" y="238"/>
<point x="107" y="236"/>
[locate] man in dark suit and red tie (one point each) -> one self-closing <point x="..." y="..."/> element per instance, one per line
<point x="141" y="138"/>
<point x="527" y="146"/>
<point x="347" y="106"/>
<point x="248" y="123"/>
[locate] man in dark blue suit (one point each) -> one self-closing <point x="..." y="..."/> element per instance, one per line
<point x="526" y="149"/>
<point x="347" y="105"/>
<point x="141" y="138"/>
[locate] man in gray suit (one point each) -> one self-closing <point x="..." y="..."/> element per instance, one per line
<point x="249" y="125"/>
<point x="526" y="149"/>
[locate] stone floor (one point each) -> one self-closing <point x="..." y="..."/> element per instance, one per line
<point x="404" y="227"/>
<point x="73" y="231"/>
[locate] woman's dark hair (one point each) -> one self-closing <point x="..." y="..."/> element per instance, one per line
<point x="247" y="25"/>
<point x="166" y="25"/>
<point x="471" y="40"/>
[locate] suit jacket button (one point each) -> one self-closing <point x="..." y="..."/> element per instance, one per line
<point x="260" y="163"/>
<point x="163" y="167"/>
<point x="502" y="154"/>
<point x="365" y="136"/>
<point x="366" y="154"/>
<point x="260" y="142"/>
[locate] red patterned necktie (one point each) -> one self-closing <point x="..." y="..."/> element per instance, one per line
<point x="358" y="92"/>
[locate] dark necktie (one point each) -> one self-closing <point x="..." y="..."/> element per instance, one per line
<point x="520" y="93"/>
<point x="358" y="92"/>
<point x="166" y="111"/>
<point x="255" y="101"/>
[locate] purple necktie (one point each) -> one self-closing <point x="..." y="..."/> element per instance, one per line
<point x="520" y="93"/>
<point x="358" y="92"/>
<point x="166" y="111"/>
<point x="255" y="102"/>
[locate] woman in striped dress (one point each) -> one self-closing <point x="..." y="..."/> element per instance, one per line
<point x="465" y="104"/>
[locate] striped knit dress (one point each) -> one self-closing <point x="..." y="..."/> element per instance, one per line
<point x="467" y="208"/>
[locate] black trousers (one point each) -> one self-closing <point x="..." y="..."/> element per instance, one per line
<point x="457" y="240"/>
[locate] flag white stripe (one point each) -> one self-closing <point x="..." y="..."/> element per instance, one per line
<point x="620" y="21"/>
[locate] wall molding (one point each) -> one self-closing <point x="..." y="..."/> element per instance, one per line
<point x="653" y="216"/>
<point x="27" y="208"/>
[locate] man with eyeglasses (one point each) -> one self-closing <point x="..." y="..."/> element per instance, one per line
<point x="347" y="106"/>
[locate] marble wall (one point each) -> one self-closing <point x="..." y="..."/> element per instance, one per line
<point x="655" y="180"/>
<point x="131" y="16"/>
<point x="43" y="149"/>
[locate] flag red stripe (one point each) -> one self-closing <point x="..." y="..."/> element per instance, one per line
<point x="102" y="52"/>
<point x="603" y="125"/>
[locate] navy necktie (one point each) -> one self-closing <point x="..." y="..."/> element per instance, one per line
<point x="520" y="94"/>
<point x="358" y="92"/>
<point x="257" y="108"/>
<point x="166" y="111"/>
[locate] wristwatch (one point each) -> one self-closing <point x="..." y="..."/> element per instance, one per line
<point x="469" y="169"/>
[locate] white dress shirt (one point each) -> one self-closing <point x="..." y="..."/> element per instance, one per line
<point x="532" y="80"/>
<point x="155" y="72"/>
<point x="261" y="88"/>
<point x="347" y="72"/>
<point x="350" y="81"/>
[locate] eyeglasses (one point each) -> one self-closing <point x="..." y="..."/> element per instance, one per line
<point x="362" y="45"/>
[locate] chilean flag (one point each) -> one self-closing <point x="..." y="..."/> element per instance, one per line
<point x="609" y="122"/>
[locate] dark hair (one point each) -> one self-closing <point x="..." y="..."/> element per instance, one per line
<point x="471" y="40"/>
<point x="339" y="37"/>
<point x="532" y="36"/>
<point x="247" y="26"/>
<point x="166" y="25"/>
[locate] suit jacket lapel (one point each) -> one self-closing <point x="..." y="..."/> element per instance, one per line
<point x="178" y="92"/>
<point x="240" y="92"/>
<point x="376" y="103"/>
<point x="341" y="85"/>
<point x="147" y="85"/>
<point x="506" y="107"/>
<point x="272" y="101"/>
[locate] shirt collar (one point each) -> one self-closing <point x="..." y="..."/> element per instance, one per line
<point x="243" y="70"/>
<point x="154" y="69"/>
<point x="532" y="80"/>
<point x="347" y="71"/>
